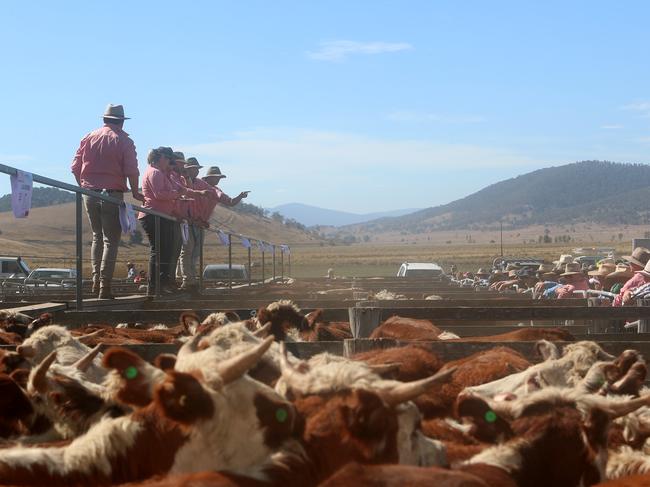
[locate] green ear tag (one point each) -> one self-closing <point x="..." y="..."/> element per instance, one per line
<point x="281" y="415"/>
<point x="130" y="372"/>
<point x="490" y="416"/>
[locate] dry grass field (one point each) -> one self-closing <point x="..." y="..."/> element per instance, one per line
<point x="46" y="238"/>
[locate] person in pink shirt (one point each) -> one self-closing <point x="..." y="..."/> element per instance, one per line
<point x="636" y="263"/>
<point x="161" y="194"/>
<point x="574" y="280"/>
<point x="200" y="212"/>
<point x="106" y="158"/>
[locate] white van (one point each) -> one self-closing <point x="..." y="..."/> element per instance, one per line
<point x="420" y="270"/>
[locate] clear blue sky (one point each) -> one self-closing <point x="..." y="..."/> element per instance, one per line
<point x="352" y="105"/>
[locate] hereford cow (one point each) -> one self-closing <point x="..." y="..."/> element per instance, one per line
<point x="566" y="371"/>
<point x="229" y="422"/>
<point x="476" y="369"/>
<point x="69" y="350"/>
<point x="400" y="328"/>
<point x="287" y="321"/>
<point x="303" y="381"/>
<point x="403" y="363"/>
<point x="558" y="439"/>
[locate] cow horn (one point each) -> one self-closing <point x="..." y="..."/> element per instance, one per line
<point x="94" y="334"/>
<point x="233" y="368"/>
<point x="39" y="380"/>
<point x="84" y="362"/>
<point x="618" y="409"/>
<point x="263" y="331"/>
<point x="547" y="350"/>
<point x="192" y="344"/>
<point x="604" y="356"/>
<point x="381" y="369"/>
<point x="410" y="390"/>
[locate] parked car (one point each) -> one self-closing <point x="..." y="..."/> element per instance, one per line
<point x="420" y="270"/>
<point x="220" y="272"/>
<point x="13" y="267"/>
<point x="53" y="277"/>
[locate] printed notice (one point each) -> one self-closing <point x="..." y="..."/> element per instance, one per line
<point x="21" y="194"/>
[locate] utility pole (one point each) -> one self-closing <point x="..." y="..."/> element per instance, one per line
<point x="501" y="225"/>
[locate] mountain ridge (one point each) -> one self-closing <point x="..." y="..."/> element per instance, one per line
<point x="311" y="215"/>
<point x="587" y="191"/>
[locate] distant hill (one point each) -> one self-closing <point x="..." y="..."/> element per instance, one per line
<point x="602" y="192"/>
<point x="41" y="197"/>
<point x="313" y="215"/>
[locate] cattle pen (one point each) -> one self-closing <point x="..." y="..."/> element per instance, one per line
<point x="467" y="313"/>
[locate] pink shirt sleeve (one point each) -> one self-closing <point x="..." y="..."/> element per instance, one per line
<point x="130" y="158"/>
<point x="77" y="162"/>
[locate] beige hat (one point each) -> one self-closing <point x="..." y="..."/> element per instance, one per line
<point x="640" y="256"/>
<point x="571" y="269"/>
<point x="645" y="271"/>
<point x="622" y="270"/>
<point x="564" y="259"/>
<point x="115" y="112"/>
<point x="214" y="171"/>
<point x="603" y="270"/>
<point x="482" y="272"/>
<point x="192" y="162"/>
<point x="512" y="267"/>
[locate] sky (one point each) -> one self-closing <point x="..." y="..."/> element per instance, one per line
<point x="351" y="105"/>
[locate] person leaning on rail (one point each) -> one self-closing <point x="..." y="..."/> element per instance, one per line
<point x="161" y="194"/>
<point x="106" y="158"/>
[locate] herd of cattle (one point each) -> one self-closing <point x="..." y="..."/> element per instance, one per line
<point x="234" y="408"/>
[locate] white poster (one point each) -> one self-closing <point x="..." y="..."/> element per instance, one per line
<point x="127" y="218"/>
<point x="21" y="194"/>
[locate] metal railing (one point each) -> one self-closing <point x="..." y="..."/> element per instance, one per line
<point x="79" y="192"/>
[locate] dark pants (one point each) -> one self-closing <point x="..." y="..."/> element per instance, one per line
<point x="166" y="249"/>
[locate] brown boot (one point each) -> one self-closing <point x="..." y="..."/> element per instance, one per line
<point x="105" y="292"/>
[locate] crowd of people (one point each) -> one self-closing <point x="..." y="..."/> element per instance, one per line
<point x="620" y="280"/>
<point x="105" y="161"/>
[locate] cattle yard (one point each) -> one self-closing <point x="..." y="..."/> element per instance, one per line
<point x="368" y="319"/>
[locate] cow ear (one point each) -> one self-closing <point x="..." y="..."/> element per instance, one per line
<point x="190" y="321"/>
<point x="182" y="398"/>
<point x="133" y="378"/>
<point x="489" y="426"/>
<point x="165" y="361"/>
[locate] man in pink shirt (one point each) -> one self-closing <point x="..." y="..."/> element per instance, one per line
<point x="106" y="158"/>
<point x="161" y="193"/>
<point x="575" y="280"/>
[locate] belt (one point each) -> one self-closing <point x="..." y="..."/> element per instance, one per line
<point x="109" y="191"/>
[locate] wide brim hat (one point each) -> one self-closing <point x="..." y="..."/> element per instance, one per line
<point x="549" y="275"/>
<point x="603" y="270"/>
<point x="116" y="112"/>
<point x="571" y="269"/>
<point x="564" y="259"/>
<point x="482" y="272"/>
<point x="214" y="171"/>
<point x="640" y="256"/>
<point x="192" y="162"/>
<point x="645" y="271"/>
<point x="622" y="271"/>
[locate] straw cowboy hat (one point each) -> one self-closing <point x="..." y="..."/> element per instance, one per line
<point x="214" y="171"/>
<point x="645" y="271"/>
<point x="608" y="260"/>
<point x="571" y="269"/>
<point x="192" y="162"/>
<point x="482" y="272"/>
<point x="640" y="256"/>
<point x="513" y="273"/>
<point x="511" y="267"/>
<point x="604" y="270"/>
<point x="115" y="112"/>
<point x="622" y="270"/>
<point x="564" y="259"/>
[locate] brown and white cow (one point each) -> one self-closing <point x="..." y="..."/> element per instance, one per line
<point x="230" y="422"/>
<point x="400" y="328"/>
